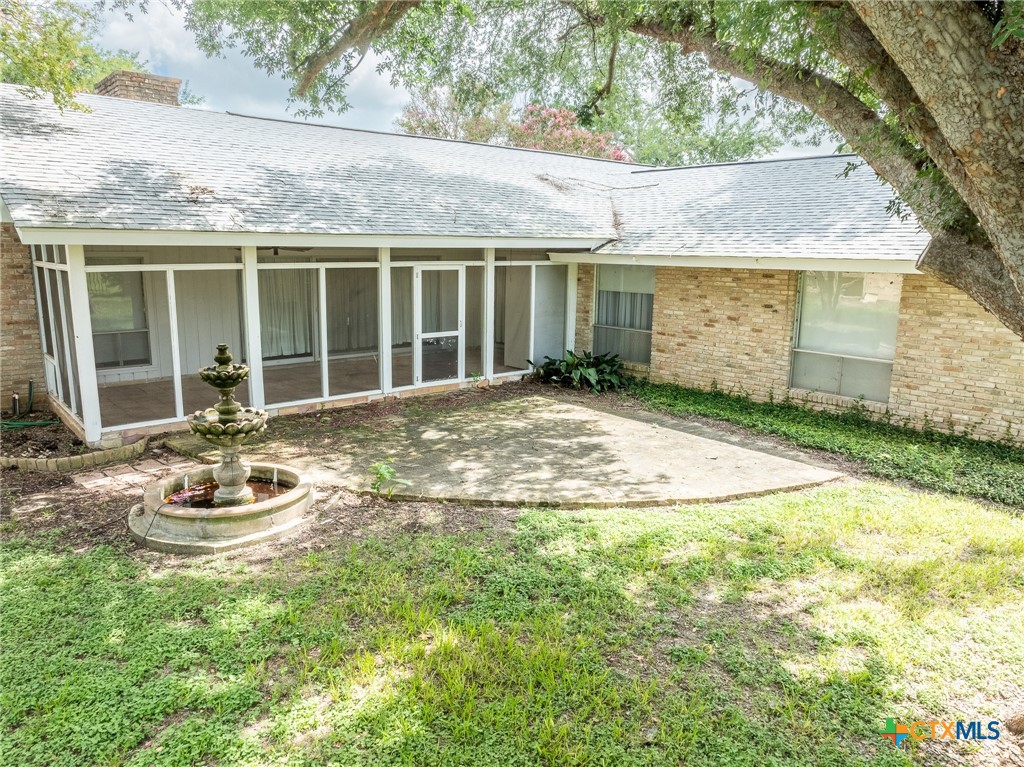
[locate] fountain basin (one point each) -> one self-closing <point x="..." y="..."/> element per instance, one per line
<point x="184" y="529"/>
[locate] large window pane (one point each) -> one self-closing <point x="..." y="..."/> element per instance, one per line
<point x="290" y="334"/>
<point x="135" y="373"/>
<point x="474" y="321"/>
<point x="120" y="324"/>
<point x="624" y="314"/>
<point x="401" y="327"/>
<point x="72" y="398"/>
<point x="846" y="335"/>
<point x="512" y="285"/>
<point x="549" y="313"/>
<point x="352" y="331"/>
<point x="209" y="310"/>
<point x="850" y="314"/>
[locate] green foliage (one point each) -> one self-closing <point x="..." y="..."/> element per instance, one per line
<point x="931" y="459"/>
<point x="667" y="107"/>
<point x="384" y="477"/>
<point x="1011" y="24"/>
<point x="598" y="372"/>
<point x="772" y="631"/>
<point x="46" y="47"/>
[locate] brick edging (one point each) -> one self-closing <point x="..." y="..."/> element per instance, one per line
<point x="78" y="462"/>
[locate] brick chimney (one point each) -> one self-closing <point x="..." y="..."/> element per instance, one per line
<point x="140" y="86"/>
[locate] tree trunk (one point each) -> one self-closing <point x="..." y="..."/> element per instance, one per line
<point x="975" y="94"/>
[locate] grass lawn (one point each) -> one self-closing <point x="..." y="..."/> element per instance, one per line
<point x="775" y="631"/>
<point x="930" y="459"/>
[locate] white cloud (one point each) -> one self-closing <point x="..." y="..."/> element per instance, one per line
<point x="232" y="83"/>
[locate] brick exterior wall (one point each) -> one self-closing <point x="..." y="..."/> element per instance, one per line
<point x="957" y="367"/>
<point x="21" y="352"/>
<point x="584" y="307"/>
<point x="140" y="86"/>
<point x="732" y="328"/>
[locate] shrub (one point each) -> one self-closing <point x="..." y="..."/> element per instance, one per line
<point x="599" y="372"/>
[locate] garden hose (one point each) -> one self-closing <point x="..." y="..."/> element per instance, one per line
<point x="13" y="425"/>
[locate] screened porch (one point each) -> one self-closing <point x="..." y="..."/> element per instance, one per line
<point x="314" y="324"/>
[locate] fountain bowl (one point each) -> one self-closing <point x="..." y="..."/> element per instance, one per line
<point x="226" y="376"/>
<point x="247" y="423"/>
<point x="182" y="529"/>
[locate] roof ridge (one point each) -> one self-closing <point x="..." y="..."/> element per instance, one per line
<point x="437" y="138"/>
<point x="760" y="161"/>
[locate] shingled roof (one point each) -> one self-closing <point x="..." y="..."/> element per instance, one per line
<point x="129" y="165"/>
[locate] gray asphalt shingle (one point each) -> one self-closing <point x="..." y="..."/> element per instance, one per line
<point x="140" y="166"/>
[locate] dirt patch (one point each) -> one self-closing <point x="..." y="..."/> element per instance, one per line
<point x="46" y="440"/>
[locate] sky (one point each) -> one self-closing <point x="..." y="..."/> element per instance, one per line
<point x="233" y="83"/>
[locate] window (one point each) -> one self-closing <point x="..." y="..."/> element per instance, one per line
<point x="120" y="331"/>
<point x="846" y="333"/>
<point x="625" y="312"/>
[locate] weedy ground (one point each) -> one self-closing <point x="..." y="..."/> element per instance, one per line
<point x="775" y="631"/>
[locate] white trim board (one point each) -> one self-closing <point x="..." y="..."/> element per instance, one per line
<point x="744" y="262"/>
<point x="71" y="236"/>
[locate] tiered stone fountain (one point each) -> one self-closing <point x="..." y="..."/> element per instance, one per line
<point x="229" y="505"/>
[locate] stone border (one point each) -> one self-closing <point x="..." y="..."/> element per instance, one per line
<point x="78" y="462"/>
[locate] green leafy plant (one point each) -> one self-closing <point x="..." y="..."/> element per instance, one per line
<point x="599" y="372"/>
<point x="384" y="477"/>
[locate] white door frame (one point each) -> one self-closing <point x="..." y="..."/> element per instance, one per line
<point x="417" y="318"/>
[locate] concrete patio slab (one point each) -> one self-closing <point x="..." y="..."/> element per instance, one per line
<point x="545" y="451"/>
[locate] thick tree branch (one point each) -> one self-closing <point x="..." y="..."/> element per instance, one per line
<point x="889" y="154"/>
<point x="360" y="32"/>
<point x="977" y="271"/>
<point x="854" y="46"/>
<point x="975" y="94"/>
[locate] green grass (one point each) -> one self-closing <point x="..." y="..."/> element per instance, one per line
<point x="930" y="459"/>
<point x="778" y="631"/>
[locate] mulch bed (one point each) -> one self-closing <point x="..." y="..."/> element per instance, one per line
<point x="51" y="441"/>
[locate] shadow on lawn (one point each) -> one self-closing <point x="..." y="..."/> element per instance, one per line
<point x="624" y="638"/>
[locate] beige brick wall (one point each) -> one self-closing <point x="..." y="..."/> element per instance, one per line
<point x="584" y="307"/>
<point x="956" y="366"/>
<point x="21" y="355"/>
<point x="732" y="328"/>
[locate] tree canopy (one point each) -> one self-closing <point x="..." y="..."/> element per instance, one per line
<point x="48" y="47"/>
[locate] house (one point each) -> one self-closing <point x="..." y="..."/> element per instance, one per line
<point x="346" y="265"/>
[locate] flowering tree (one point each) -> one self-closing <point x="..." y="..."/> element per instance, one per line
<point x="559" y="130"/>
<point x="442" y="114"/>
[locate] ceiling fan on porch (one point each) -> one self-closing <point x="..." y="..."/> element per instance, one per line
<point x="279" y="251"/>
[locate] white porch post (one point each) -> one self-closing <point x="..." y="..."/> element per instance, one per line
<point x="384" y="290"/>
<point x="172" y="315"/>
<point x="487" y="342"/>
<point x="533" y="311"/>
<point x="325" y="390"/>
<point x="79" y="293"/>
<point x="570" y="307"/>
<point x="253" y="339"/>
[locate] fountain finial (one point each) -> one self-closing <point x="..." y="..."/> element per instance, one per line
<point x="223" y="357"/>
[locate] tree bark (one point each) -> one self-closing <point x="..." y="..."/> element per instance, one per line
<point x="975" y="94"/>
